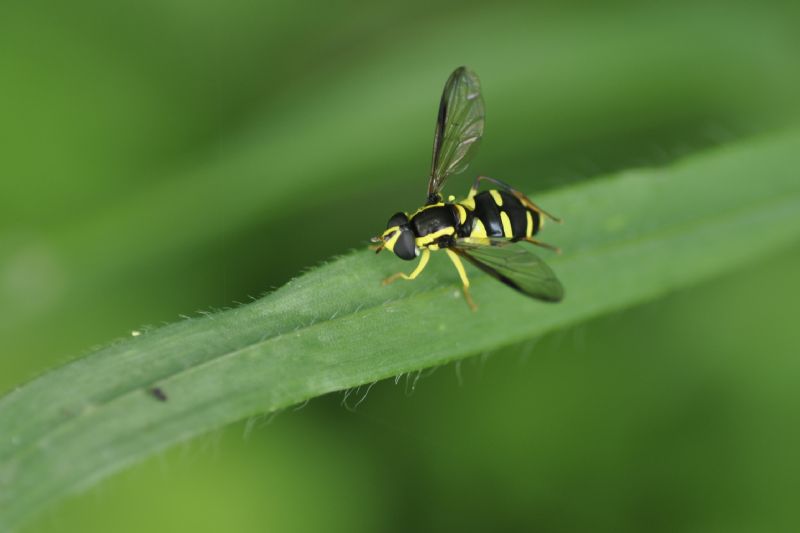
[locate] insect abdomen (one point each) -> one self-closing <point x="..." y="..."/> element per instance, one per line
<point x="501" y="214"/>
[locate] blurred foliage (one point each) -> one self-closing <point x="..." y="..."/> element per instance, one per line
<point x="163" y="157"/>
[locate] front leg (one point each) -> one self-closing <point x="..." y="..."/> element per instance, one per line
<point x="423" y="261"/>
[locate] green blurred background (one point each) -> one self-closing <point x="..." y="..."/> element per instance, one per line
<point x="164" y="157"/>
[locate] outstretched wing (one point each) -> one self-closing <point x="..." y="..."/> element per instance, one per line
<point x="459" y="128"/>
<point x="515" y="266"/>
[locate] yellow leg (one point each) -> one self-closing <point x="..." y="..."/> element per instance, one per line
<point x="537" y="242"/>
<point x="423" y="261"/>
<point x="474" y="189"/>
<point x="464" y="279"/>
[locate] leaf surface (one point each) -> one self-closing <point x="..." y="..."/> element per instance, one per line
<point x="626" y="239"/>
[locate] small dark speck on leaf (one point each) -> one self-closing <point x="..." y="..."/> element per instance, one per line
<point x="158" y="394"/>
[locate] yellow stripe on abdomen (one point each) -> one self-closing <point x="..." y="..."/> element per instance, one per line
<point x="529" y="228"/>
<point x="508" y="232"/>
<point x="478" y="229"/>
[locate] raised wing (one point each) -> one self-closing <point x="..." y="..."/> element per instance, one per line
<point x="459" y="128"/>
<point x="513" y="265"/>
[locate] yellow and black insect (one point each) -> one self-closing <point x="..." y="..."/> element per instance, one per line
<point x="480" y="228"/>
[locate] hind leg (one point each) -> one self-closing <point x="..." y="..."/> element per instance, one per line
<point x="537" y="242"/>
<point x="520" y="196"/>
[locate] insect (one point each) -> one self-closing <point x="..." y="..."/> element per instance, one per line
<point x="483" y="228"/>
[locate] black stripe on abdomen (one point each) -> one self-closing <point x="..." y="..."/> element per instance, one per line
<point x="489" y="213"/>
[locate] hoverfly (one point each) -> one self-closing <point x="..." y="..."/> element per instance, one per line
<point x="484" y="227"/>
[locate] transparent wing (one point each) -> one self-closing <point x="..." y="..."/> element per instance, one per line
<point x="459" y="127"/>
<point x="515" y="266"/>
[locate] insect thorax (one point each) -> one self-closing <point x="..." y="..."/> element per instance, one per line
<point x="438" y="224"/>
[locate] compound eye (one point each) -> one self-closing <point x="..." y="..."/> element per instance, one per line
<point x="405" y="247"/>
<point x="398" y="219"/>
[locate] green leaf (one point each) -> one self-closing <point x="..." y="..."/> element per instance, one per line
<point x="626" y="238"/>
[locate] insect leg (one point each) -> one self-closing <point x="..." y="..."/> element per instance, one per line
<point x="537" y="242"/>
<point x="464" y="279"/>
<point x="423" y="261"/>
<point x="520" y="196"/>
<point x="474" y="189"/>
